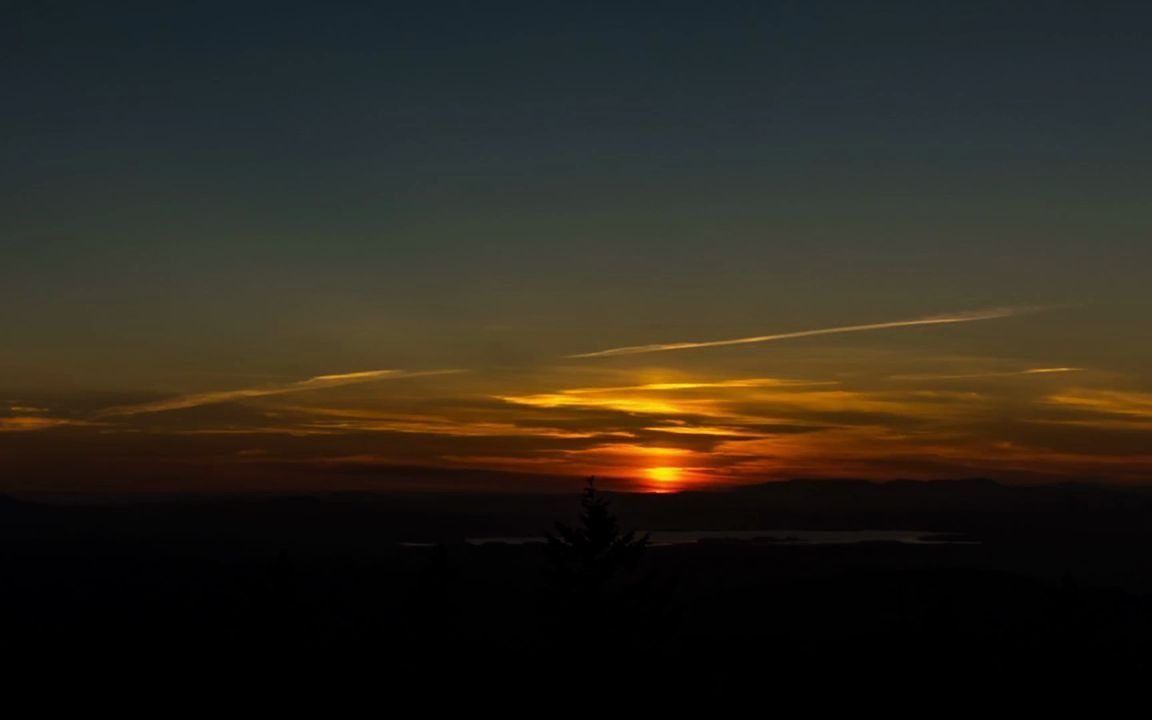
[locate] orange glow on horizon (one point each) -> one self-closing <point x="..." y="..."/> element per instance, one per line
<point x="665" y="479"/>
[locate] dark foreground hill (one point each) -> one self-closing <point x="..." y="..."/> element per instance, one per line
<point x="285" y="598"/>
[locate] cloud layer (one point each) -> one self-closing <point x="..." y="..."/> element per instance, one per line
<point x="799" y="412"/>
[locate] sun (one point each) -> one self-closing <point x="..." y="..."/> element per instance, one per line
<point x="665" y="475"/>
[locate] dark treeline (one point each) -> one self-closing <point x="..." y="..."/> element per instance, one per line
<point x="186" y="597"/>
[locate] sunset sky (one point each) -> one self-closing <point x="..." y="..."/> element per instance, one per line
<point x="317" y="246"/>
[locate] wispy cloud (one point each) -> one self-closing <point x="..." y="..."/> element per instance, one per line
<point x="963" y="317"/>
<point x="319" y="382"/>
<point x="353" y="420"/>
<point x="746" y="383"/>
<point x="1108" y="402"/>
<point x="967" y="376"/>
<point x="656" y="398"/>
<point x="26" y="409"/>
<point x="728" y="400"/>
<point x="708" y="430"/>
<point x="34" y="423"/>
<point x="636" y="405"/>
<point x="462" y="429"/>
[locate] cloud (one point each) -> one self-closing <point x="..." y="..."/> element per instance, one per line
<point x="1106" y="402"/>
<point x="319" y="382"/>
<point x="32" y="424"/>
<point x="746" y="383"/>
<point x="753" y="401"/>
<point x="657" y="398"/>
<point x="630" y="453"/>
<point x="458" y="429"/>
<point x="502" y="460"/>
<point x="708" y="430"/>
<point x="964" y="317"/>
<point x="967" y="376"/>
<point x="351" y="420"/>
<point x="26" y="409"/>
<point x="628" y="404"/>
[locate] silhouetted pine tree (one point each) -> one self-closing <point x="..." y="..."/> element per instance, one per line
<point x="591" y="554"/>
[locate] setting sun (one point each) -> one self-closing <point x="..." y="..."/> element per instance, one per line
<point x="665" y="475"/>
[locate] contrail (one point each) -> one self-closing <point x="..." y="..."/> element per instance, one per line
<point x="976" y="376"/>
<point x="931" y="320"/>
<point x="315" y="383"/>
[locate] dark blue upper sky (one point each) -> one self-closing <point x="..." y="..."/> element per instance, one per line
<point x="168" y="155"/>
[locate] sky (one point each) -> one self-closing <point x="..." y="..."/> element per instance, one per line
<point x="311" y="246"/>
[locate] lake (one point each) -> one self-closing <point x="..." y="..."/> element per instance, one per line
<point x="664" y="538"/>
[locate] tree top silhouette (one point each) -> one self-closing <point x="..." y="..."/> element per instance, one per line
<point x="596" y="549"/>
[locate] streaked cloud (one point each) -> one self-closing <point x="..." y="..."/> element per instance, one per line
<point x="741" y="402"/>
<point x="353" y="420"/>
<point x="1109" y="402"/>
<point x="625" y="404"/>
<point x="666" y="399"/>
<point x="639" y="454"/>
<point x="291" y="431"/>
<point x="458" y="429"/>
<point x="963" y="317"/>
<point x="710" y="430"/>
<point x="977" y="376"/>
<point x="26" y="409"/>
<point x="502" y="460"/>
<point x="37" y="422"/>
<point x="320" y="382"/>
<point x="721" y="384"/>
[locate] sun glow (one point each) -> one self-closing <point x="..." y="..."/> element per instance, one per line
<point x="665" y="478"/>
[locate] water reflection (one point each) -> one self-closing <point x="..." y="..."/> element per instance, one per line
<point x="774" y="537"/>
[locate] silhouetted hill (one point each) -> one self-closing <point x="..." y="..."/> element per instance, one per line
<point x="976" y="505"/>
<point x="317" y="592"/>
<point x="7" y="501"/>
